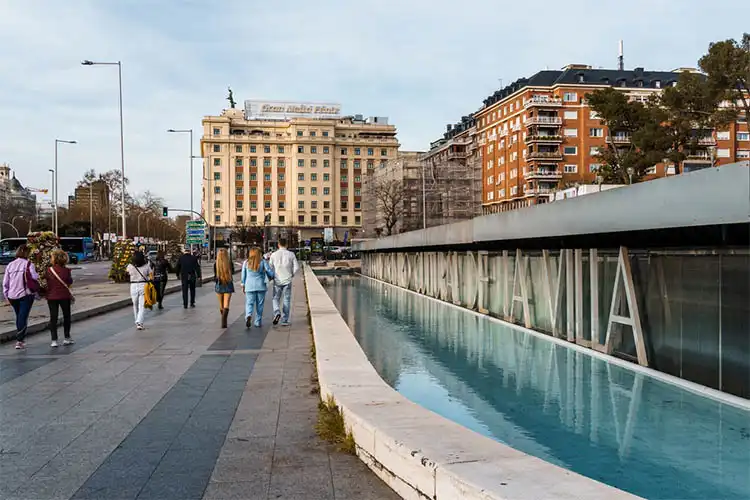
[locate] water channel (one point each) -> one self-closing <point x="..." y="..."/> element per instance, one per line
<point x="612" y="424"/>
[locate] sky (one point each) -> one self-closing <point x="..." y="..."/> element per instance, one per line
<point x="422" y="63"/>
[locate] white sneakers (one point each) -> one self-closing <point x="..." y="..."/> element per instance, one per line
<point x="139" y="326"/>
<point x="53" y="344"/>
<point x="65" y="342"/>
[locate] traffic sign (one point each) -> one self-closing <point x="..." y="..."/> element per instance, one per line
<point x="328" y="234"/>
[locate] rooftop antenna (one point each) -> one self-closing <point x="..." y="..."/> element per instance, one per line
<point x="501" y="82"/>
<point x="620" y="59"/>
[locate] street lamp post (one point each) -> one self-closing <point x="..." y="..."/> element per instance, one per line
<point x="54" y="182"/>
<point x="91" y="209"/>
<point x="122" y="134"/>
<point x="188" y="131"/>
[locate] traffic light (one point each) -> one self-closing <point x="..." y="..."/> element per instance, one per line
<point x="165" y="212"/>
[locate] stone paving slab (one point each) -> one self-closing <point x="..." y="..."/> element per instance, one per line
<point x="181" y="410"/>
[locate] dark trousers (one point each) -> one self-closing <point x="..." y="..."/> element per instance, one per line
<point x="53" y="316"/>
<point x="22" y="308"/>
<point x="160" y="286"/>
<point x="188" y="283"/>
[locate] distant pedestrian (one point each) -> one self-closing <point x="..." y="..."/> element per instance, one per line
<point x="162" y="268"/>
<point x="188" y="272"/>
<point x="59" y="296"/>
<point x="255" y="272"/>
<point x="223" y="283"/>
<point x="285" y="266"/>
<point x="139" y="270"/>
<point x="20" y="284"/>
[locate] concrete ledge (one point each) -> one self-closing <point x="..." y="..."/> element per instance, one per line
<point x="41" y="326"/>
<point x="415" y="451"/>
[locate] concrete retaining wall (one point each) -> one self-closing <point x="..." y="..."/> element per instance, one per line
<point x="415" y="451"/>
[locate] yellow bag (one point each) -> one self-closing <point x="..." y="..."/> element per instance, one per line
<point x="149" y="295"/>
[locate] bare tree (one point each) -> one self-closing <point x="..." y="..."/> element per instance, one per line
<point x="389" y="196"/>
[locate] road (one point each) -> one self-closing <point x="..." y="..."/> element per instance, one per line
<point x="86" y="273"/>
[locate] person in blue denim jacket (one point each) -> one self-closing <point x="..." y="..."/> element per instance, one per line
<point x="255" y="272"/>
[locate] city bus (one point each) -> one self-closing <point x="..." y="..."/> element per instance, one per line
<point x="79" y="248"/>
<point x="8" y="248"/>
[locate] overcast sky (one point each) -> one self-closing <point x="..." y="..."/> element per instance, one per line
<point x="422" y="63"/>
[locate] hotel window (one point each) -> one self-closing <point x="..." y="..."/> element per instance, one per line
<point x="300" y="177"/>
<point x="593" y="115"/>
<point x="357" y="151"/>
<point x="281" y="149"/>
<point x="217" y="162"/>
<point x="383" y="152"/>
<point x="743" y="153"/>
<point x="344" y="178"/>
<point x="570" y="97"/>
<point x="594" y="150"/>
<point x="238" y="149"/>
<point x="267" y="190"/>
<point x="299" y="133"/>
<point x="300" y="149"/>
<point x="370" y="164"/>
<point x="217" y="176"/>
<point x="301" y="219"/>
<point x="314" y="219"/>
<point x="491" y="148"/>
<point x="238" y="191"/>
<point x="313" y="177"/>
<point x="357" y="219"/>
<point x="357" y="192"/>
<point x="326" y="191"/>
<point x="326" y="205"/>
<point x="594" y="167"/>
<point x="282" y="191"/>
<point x="254" y="206"/>
<point x="343" y="151"/>
<point x="501" y="160"/>
<point x="301" y="204"/>
<point x="314" y="204"/>
<point x="383" y="163"/>
<point x="370" y="152"/>
<point x="253" y="190"/>
<point x="490" y="180"/>
<point x="252" y="149"/>
<point x="267" y="149"/>
<point x="238" y="162"/>
<point x="570" y="132"/>
<point x="267" y="204"/>
<point x="344" y="218"/>
<point x="325" y="150"/>
<point x="217" y="131"/>
<point x="313" y="163"/>
<point x="514" y="156"/>
<point x="326" y="163"/>
<point x="357" y="205"/>
<point x="217" y="218"/>
<point x="723" y="136"/>
<point x="266" y="162"/>
<point x="313" y="133"/>
<point x="490" y="195"/>
<point x="722" y="153"/>
<point x="571" y="115"/>
<point x="239" y="204"/>
<point x="217" y="203"/>
<point x="239" y="219"/>
<point x="254" y="218"/>
<point x="300" y="162"/>
<point x="267" y="177"/>
<point x="238" y="177"/>
<point x="596" y="132"/>
<point x="357" y="178"/>
<point x="514" y="173"/>
<point x="326" y="177"/>
<point x="253" y="162"/>
<point x="489" y="164"/>
<point x="570" y="150"/>
<point x="313" y="149"/>
<point x="501" y="178"/>
<point x="253" y="177"/>
<point x="343" y="165"/>
<point x="326" y="219"/>
<point x="357" y="164"/>
<point x="282" y="219"/>
<point x="325" y="133"/>
<point x="314" y="191"/>
<point x="282" y="205"/>
<point x="743" y="136"/>
<point x="501" y="193"/>
<point x="513" y="190"/>
<point x="217" y="189"/>
<point x="570" y="169"/>
<point x="280" y="163"/>
<point x="345" y="192"/>
<point x="300" y="190"/>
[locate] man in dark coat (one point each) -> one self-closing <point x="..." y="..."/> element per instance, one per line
<point x="188" y="271"/>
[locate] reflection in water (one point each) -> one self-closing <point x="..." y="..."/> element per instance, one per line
<point x="600" y="420"/>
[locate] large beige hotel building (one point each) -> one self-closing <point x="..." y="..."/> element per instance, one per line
<point x="298" y="167"/>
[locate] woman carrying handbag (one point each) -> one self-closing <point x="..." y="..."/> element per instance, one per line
<point x="20" y="286"/>
<point x="59" y="295"/>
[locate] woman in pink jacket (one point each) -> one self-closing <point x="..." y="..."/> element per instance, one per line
<point x="19" y="288"/>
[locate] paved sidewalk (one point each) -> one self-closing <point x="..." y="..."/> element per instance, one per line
<point x="182" y="410"/>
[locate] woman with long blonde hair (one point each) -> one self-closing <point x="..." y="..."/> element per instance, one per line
<point x="224" y="285"/>
<point x="255" y="271"/>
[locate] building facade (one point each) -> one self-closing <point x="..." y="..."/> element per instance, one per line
<point x="14" y="197"/>
<point x="296" y="168"/>
<point x="98" y="192"/>
<point x="539" y="135"/>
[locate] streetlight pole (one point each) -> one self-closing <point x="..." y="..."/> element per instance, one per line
<point x="424" y="201"/>
<point x="122" y="134"/>
<point x="54" y="182"/>
<point x="52" y="201"/>
<point x="188" y="131"/>
<point x="91" y="209"/>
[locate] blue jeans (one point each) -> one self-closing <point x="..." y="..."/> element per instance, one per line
<point x="22" y="308"/>
<point x="280" y="291"/>
<point x="255" y="300"/>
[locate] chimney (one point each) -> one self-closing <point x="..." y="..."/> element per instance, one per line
<point x="621" y="59"/>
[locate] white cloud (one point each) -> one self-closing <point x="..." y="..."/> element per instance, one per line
<point x="423" y="63"/>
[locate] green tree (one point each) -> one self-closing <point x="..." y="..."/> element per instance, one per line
<point x="727" y="67"/>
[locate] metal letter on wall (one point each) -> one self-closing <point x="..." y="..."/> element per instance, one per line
<point x="553" y="284"/>
<point x="519" y="281"/>
<point x="507" y="302"/>
<point x="633" y="320"/>
<point x="442" y="275"/>
<point x="580" y="338"/>
<point x="455" y="285"/>
<point x="483" y="291"/>
<point x="471" y="280"/>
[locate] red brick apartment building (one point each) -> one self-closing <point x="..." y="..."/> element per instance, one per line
<point x="538" y="134"/>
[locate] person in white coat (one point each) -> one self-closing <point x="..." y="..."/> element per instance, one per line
<point x="285" y="266"/>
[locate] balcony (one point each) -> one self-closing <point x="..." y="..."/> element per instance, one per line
<point x="503" y="133"/>
<point x="706" y="141"/>
<point x="544" y="155"/>
<point x="618" y="139"/>
<point x="482" y="141"/>
<point x="545" y="121"/>
<point x="537" y="191"/>
<point x="699" y="156"/>
<point x="543" y="138"/>
<point x="543" y="101"/>
<point x="543" y="174"/>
